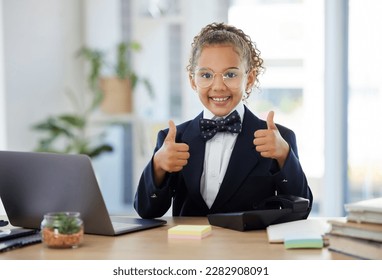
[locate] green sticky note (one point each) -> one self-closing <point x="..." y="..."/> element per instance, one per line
<point x="303" y="241"/>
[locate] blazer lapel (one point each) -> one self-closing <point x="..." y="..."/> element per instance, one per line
<point x="243" y="159"/>
<point x="194" y="168"/>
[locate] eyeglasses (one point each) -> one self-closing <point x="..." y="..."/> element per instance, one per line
<point x="232" y="78"/>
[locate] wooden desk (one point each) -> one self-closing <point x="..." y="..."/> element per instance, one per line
<point x="153" y="244"/>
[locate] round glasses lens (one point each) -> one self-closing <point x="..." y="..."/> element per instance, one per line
<point x="233" y="78"/>
<point x="204" y="78"/>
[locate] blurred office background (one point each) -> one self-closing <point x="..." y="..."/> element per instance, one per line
<point x="322" y="78"/>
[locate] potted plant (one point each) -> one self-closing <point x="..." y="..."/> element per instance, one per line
<point x="66" y="133"/>
<point x="71" y="132"/>
<point x="62" y="230"/>
<point x="117" y="89"/>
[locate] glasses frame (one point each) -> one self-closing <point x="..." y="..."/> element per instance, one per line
<point x="243" y="73"/>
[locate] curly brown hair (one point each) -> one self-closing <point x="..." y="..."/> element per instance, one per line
<point x="224" y="34"/>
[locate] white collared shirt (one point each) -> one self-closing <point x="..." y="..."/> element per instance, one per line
<point x="217" y="155"/>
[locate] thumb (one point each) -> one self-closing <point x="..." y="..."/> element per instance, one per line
<point x="270" y="122"/>
<point x="171" y="132"/>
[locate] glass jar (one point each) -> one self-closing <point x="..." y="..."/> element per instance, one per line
<point x="62" y="230"/>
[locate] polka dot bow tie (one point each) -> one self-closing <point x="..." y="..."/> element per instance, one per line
<point x="208" y="128"/>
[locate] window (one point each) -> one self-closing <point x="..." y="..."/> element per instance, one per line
<point x="290" y="36"/>
<point x="365" y="100"/>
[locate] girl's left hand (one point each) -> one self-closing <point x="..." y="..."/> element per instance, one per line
<point x="269" y="142"/>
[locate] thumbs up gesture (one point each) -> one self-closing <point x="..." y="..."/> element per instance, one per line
<point x="172" y="156"/>
<point x="269" y="142"/>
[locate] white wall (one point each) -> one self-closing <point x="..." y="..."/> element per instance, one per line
<point x="2" y="86"/>
<point x="102" y="24"/>
<point x="2" y="94"/>
<point x="40" y="41"/>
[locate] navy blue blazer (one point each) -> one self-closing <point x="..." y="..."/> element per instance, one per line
<point x="249" y="179"/>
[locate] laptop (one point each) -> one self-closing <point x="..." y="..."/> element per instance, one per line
<point x="33" y="184"/>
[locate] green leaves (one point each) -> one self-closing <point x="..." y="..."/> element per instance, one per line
<point x="123" y="68"/>
<point x="69" y="131"/>
<point x="64" y="224"/>
<point x="96" y="60"/>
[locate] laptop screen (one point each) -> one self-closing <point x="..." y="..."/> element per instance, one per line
<point x="33" y="184"/>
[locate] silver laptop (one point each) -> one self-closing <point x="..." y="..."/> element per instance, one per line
<point x="32" y="184"/>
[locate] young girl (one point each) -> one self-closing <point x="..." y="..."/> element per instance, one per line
<point x="226" y="159"/>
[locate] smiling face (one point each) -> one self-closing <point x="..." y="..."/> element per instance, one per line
<point x="218" y="97"/>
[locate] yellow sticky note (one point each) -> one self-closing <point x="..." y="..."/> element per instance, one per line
<point x="189" y="231"/>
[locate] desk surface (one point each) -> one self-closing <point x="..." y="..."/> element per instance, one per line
<point x="153" y="244"/>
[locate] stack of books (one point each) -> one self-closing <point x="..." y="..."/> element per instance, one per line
<point x="360" y="235"/>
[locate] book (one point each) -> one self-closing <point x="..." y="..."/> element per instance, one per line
<point x="369" y="210"/>
<point x="189" y="231"/>
<point x="356" y="247"/>
<point x="297" y="230"/>
<point x="370" y="231"/>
